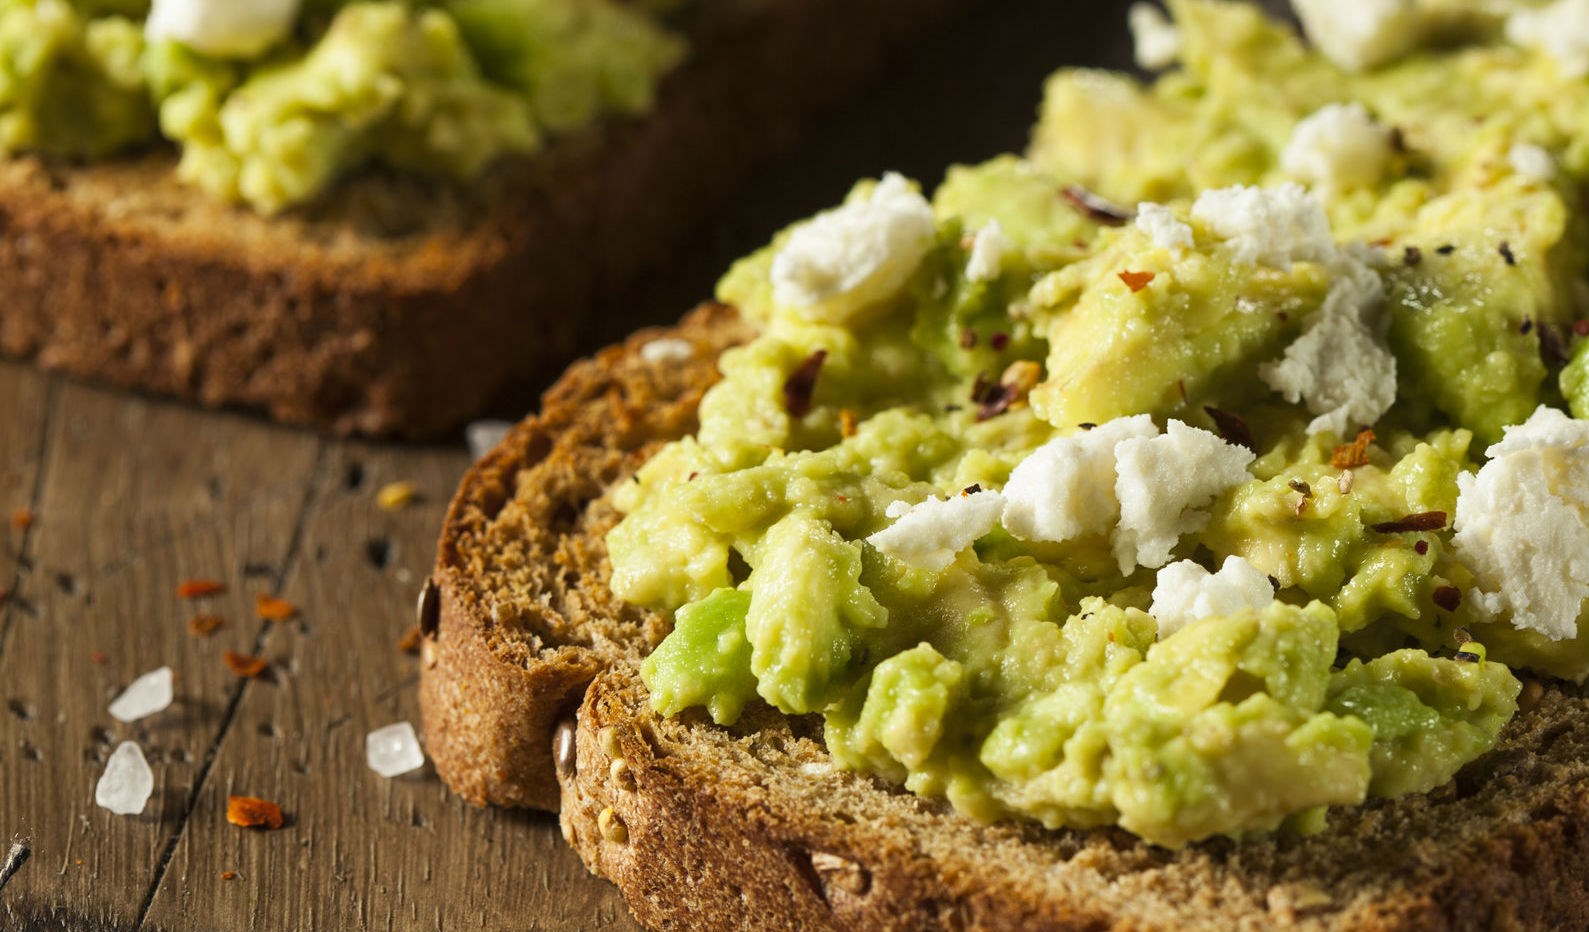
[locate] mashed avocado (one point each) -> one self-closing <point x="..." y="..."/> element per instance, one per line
<point x="439" y="88"/>
<point x="1195" y="473"/>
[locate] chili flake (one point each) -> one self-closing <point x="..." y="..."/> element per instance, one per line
<point x="1421" y="548"/>
<point x="1411" y="256"/>
<point x="1580" y="328"/>
<point x="999" y="340"/>
<point x="1447" y="597"/>
<point x="1096" y="208"/>
<point x="802" y="384"/>
<point x="244" y="665"/>
<point x="1447" y="249"/>
<point x="98" y="658"/>
<point x="228" y="875"/>
<point x="250" y="812"/>
<point x="1137" y="281"/>
<point x="22" y="518"/>
<point x="410" y="641"/>
<point x="198" y="588"/>
<point x="846" y="422"/>
<point x="1354" y="454"/>
<point x="1505" y="249"/>
<point x="202" y="626"/>
<point x="271" y="608"/>
<point x="1422" y="521"/>
<point x="1232" y="427"/>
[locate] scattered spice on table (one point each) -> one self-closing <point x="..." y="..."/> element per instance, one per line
<point x="410" y="641"/>
<point x="250" y="812"/>
<point x="271" y="608"/>
<point x="204" y="625"/>
<point x="199" y="588"/>
<point x="246" y="666"/>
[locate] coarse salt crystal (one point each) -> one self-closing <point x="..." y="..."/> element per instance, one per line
<point x="394" y="750"/>
<point x="145" y="696"/>
<point x="483" y="436"/>
<point x="127" y="783"/>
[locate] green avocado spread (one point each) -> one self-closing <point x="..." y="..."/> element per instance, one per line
<point x="271" y="101"/>
<point x="1203" y="469"/>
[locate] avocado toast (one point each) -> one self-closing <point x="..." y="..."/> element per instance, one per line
<point x="395" y="294"/>
<point x="1057" y="500"/>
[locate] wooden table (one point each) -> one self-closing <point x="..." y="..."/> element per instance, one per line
<point x="132" y="496"/>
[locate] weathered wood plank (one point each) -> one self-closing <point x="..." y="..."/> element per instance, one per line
<point x="362" y="851"/>
<point x="24" y="397"/>
<point x="138" y="495"/>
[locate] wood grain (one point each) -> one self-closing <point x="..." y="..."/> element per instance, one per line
<point x="376" y="853"/>
<point x="136" y="497"/>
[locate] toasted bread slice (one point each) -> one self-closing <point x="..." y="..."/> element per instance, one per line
<point x="752" y="827"/>
<point x="398" y="306"/>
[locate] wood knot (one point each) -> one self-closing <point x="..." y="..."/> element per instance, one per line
<point x="838" y="873"/>
<point x="564" y="753"/>
<point x="427" y="610"/>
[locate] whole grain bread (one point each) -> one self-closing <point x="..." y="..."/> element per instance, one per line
<point x="398" y="306"/>
<point x="531" y="697"/>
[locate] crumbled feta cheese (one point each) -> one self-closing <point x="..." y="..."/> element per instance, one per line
<point x="1165" y="484"/>
<point x="851" y="257"/>
<point x="988" y="250"/>
<point x="1158" y="42"/>
<point x="144" y="696"/>
<point x="1522" y="524"/>
<point x="1065" y="488"/>
<point x="1273" y="226"/>
<point x="1162" y="226"/>
<point x="1339" y="366"/>
<point x="222" y="28"/>
<point x="930" y="533"/>
<point x="1338" y="147"/>
<point x="1533" y="163"/>
<point x="1560" y="30"/>
<point x="1186" y="593"/>
<point x="667" y="349"/>
<point x="127" y="783"/>
<point x="1361" y="34"/>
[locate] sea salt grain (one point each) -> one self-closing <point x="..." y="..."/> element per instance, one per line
<point x="482" y="436"/>
<point x="146" y="695"/>
<point x="394" y="750"/>
<point x="127" y="783"/>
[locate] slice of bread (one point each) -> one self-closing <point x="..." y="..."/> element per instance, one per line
<point x="397" y="306"/>
<point x="531" y="697"/>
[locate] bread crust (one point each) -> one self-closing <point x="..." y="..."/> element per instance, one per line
<point x="753" y="828"/>
<point x="395" y="306"/>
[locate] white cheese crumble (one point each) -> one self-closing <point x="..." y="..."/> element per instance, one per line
<point x="1125" y="480"/>
<point x="988" y="250"/>
<point x="667" y="349"/>
<point x="1065" y="488"/>
<point x="1269" y="226"/>
<point x="1337" y="148"/>
<point x="1522" y="525"/>
<point x="1185" y="593"/>
<point x="1560" y="30"/>
<point x="222" y="28"/>
<point x="1162" y="226"/>
<point x="1340" y="367"/>
<point x="852" y="257"/>
<point x="1158" y="42"/>
<point x="1165" y="484"/>
<point x="930" y="533"/>
<point x="1532" y="163"/>
<point x="1361" y="34"/>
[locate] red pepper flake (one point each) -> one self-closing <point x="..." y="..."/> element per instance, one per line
<point x="1551" y="348"/>
<point x="1447" y="597"/>
<point x="1010" y="391"/>
<point x="202" y="626"/>
<point x="23" y="518"/>
<point x="228" y="875"/>
<point x="198" y="588"/>
<point x="1411" y="256"/>
<point x="1422" y="521"/>
<point x="968" y="338"/>
<point x="1232" y="427"/>
<point x="1301" y="488"/>
<point x="999" y="341"/>
<point x="410" y="641"/>
<point x="1580" y="328"/>
<point x="250" y="812"/>
<point x="1421" y="548"/>
<point x="1354" y="454"/>
<point x="244" y="665"/>
<point x="1137" y="281"/>
<point x="846" y="422"/>
<point x="971" y="489"/>
<point x="1447" y="249"/>
<point x="1095" y="208"/>
<point x="1527" y="327"/>
<point x="271" y="608"/>
<point x="98" y="658"/>
<point x="802" y="384"/>
<point x="1505" y="249"/>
